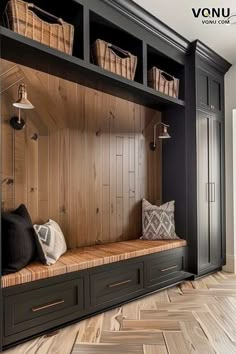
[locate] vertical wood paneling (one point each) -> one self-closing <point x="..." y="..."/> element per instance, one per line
<point x="105" y="154"/>
<point x="32" y="170"/>
<point x="64" y="181"/>
<point x="119" y="176"/>
<point x="7" y="159"/>
<point x="78" y="215"/>
<point x="43" y="179"/>
<point x="54" y="176"/>
<point x="105" y="237"/>
<point x="7" y="167"/>
<point x="91" y="165"/>
<point x="112" y="168"/>
<point x="20" y="168"/>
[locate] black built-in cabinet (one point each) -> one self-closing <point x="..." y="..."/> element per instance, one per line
<point x="205" y="160"/>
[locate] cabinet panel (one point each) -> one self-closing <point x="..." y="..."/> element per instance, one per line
<point x="209" y="92"/>
<point x="203" y="89"/>
<point x="216" y="191"/>
<point x="26" y="311"/>
<point x="215" y="95"/>
<point x="203" y="130"/>
<point x="162" y="268"/>
<point x="111" y="286"/>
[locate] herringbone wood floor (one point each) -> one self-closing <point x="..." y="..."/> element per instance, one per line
<point x="194" y="317"/>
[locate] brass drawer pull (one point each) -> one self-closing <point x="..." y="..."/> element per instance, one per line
<point x="165" y="270"/>
<point x="121" y="283"/>
<point x="43" y="307"/>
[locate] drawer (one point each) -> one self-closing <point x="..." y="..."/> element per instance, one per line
<point x="40" y="306"/>
<point x="116" y="284"/>
<point x="163" y="268"/>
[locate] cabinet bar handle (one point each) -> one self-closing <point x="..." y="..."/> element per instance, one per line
<point x="120" y="283"/>
<point x="165" y="270"/>
<point x="207" y="192"/>
<point x="214" y="192"/>
<point x="43" y="307"/>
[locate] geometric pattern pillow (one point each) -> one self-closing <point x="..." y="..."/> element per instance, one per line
<point x="51" y="241"/>
<point x="158" y="222"/>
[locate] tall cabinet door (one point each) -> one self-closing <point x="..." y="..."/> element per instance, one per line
<point x="203" y="151"/>
<point x="216" y="185"/>
<point x="210" y="184"/>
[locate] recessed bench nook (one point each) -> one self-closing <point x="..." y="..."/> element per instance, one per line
<point x="86" y="159"/>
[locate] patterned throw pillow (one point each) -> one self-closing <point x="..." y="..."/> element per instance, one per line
<point x="158" y="222"/>
<point x="51" y="240"/>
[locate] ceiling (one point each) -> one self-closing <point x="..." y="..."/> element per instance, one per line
<point x="179" y="16"/>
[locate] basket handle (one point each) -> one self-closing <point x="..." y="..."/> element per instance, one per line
<point x="118" y="49"/>
<point x="43" y="12"/>
<point x="166" y="75"/>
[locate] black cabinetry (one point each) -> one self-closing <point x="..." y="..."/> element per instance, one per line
<point x="210" y="191"/>
<point x="209" y="91"/>
<point x="205" y="159"/>
<point x="43" y="305"/>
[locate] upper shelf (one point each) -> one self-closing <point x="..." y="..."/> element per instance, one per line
<point x="25" y="51"/>
<point x="96" y="21"/>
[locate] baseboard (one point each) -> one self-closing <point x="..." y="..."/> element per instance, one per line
<point x="230" y="266"/>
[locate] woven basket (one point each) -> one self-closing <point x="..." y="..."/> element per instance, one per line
<point x="114" y="59"/>
<point x="20" y="17"/>
<point x="163" y="82"/>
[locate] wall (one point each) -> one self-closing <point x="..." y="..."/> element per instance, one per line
<point x="230" y="154"/>
<point x="90" y="165"/>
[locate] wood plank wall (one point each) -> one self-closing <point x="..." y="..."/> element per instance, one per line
<point x="91" y="164"/>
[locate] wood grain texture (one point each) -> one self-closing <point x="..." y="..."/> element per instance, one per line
<point x="132" y="337"/>
<point x="107" y="333"/>
<point x="195" y="337"/>
<point x="219" y="339"/>
<point x="87" y="257"/>
<point x="176" y="343"/>
<point x="159" y="325"/>
<point x="91" y="164"/>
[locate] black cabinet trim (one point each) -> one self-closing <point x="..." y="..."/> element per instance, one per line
<point x="211" y="57"/>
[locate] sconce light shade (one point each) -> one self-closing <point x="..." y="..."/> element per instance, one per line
<point x="23" y="102"/>
<point x="164" y="134"/>
<point x="18" y="123"/>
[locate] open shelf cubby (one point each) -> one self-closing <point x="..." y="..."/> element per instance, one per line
<point x="167" y="64"/>
<point x="71" y="13"/>
<point x="100" y="28"/>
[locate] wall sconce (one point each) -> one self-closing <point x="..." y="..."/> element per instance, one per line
<point x="18" y="123"/>
<point x="163" y="134"/>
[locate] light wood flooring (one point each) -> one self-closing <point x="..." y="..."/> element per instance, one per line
<point x="194" y="317"/>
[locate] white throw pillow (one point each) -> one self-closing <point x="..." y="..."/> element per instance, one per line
<point x="51" y="240"/>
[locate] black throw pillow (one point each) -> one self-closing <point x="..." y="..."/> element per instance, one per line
<point x="18" y="241"/>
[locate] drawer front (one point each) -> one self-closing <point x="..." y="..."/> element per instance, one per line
<point x="40" y="306"/>
<point x="111" y="286"/>
<point x="164" y="268"/>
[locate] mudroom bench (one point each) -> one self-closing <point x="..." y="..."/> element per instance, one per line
<point x="86" y="281"/>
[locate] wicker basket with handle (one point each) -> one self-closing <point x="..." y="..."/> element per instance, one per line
<point x="22" y="17"/>
<point x="163" y="82"/>
<point x="114" y="59"/>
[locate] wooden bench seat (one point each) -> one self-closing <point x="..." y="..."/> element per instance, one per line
<point x="88" y="257"/>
